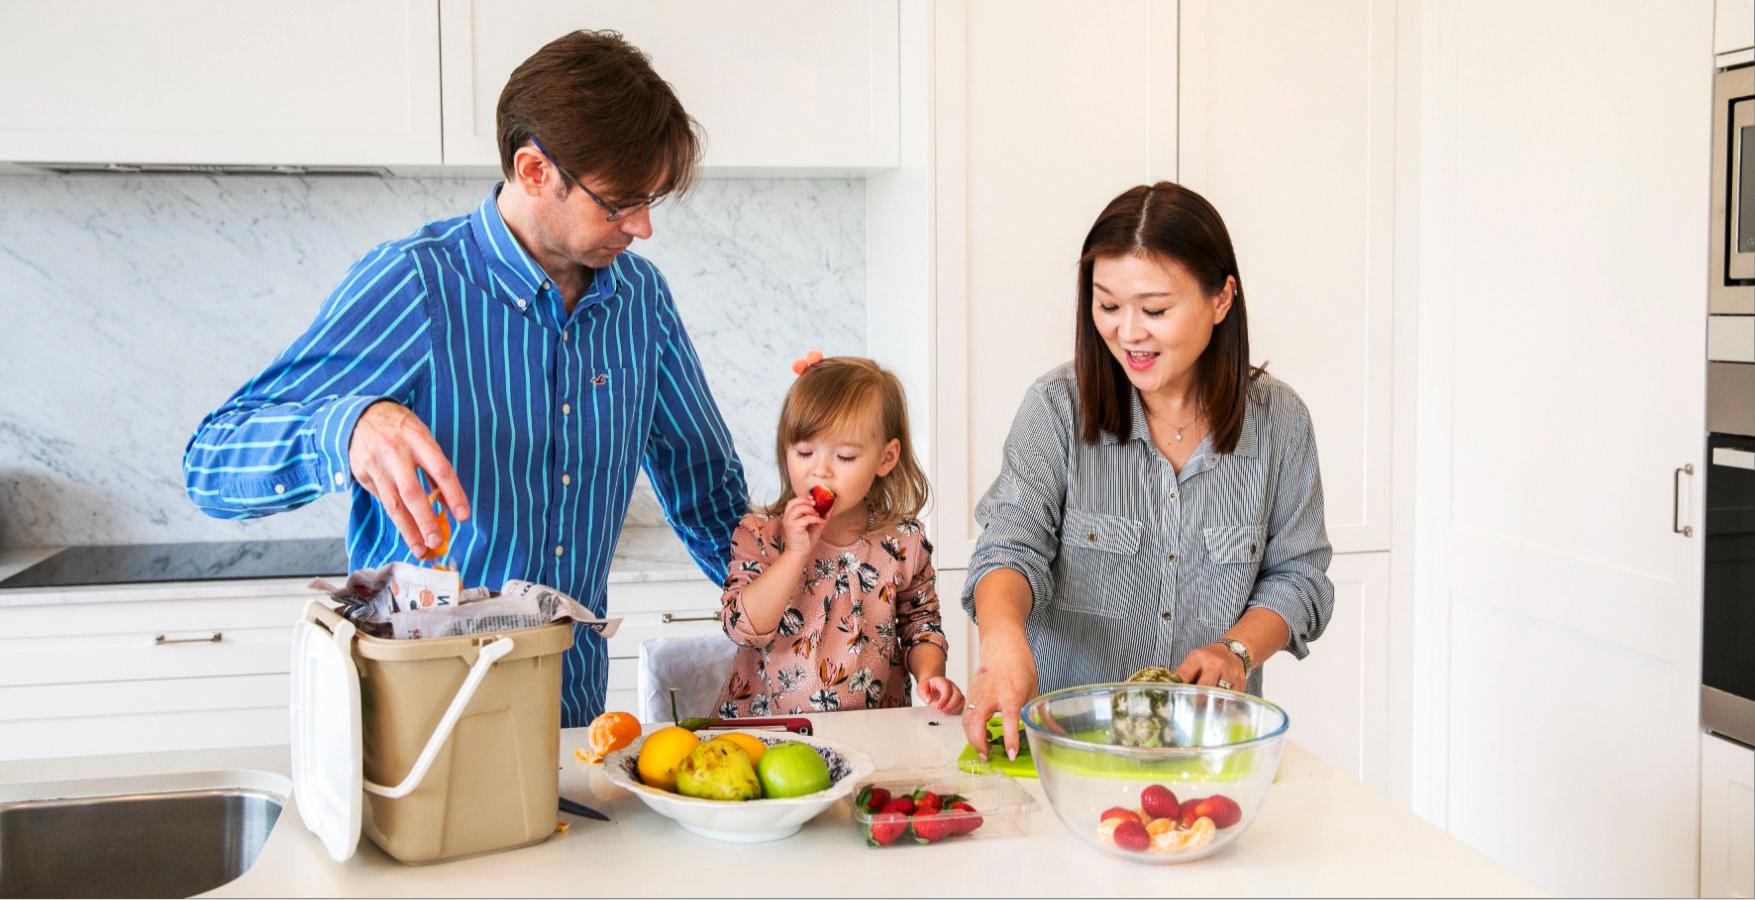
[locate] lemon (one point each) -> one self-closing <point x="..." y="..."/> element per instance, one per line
<point x="755" y="748"/>
<point x="662" y="752"/>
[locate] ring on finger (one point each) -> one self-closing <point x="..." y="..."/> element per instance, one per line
<point x="1224" y="684"/>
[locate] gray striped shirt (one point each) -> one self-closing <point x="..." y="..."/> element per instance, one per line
<point x="1131" y="563"/>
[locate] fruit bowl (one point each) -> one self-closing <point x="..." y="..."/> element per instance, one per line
<point x="1196" y="767"/>
<point x="746" y="821"/>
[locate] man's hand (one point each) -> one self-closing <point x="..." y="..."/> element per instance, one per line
<point x="389" y="447"/>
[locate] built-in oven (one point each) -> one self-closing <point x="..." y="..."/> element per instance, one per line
<point x="1727" y="692"/>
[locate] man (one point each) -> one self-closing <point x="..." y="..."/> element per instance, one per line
<point x="518" y="360"/>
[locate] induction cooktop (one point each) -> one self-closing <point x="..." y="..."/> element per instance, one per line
<point x="212" y="561"/>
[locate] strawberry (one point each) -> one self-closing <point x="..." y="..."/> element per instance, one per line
<point x="1160" y="803"/>
<point x="886" y="827"/>
<point x="966" y="823"/>
<point x="872" y="799"/>
<point x="1118" y="812"/>
<point x="1131" y="836"/>
<point x="930" y="827"/>
<point x="1221" y="809"/>
<point x="822" y="498"/>
<point x="925" y="800"/>
<point x="903" y="805"/>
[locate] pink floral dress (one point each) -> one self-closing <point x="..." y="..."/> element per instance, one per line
<point x="843" y="640"/>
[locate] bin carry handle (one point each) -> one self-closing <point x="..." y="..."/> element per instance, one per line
<point x="490" y="654"/>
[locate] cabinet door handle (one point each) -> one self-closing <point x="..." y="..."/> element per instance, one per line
<point x="668" y="618"/>
<point x="212" y="638"/>
<point x="1676" y="525"/>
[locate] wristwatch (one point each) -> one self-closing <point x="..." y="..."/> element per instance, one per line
<point x="1242" y="652"/>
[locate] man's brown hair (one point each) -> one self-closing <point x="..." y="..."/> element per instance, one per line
<point x="591" y="99"/>
<point x="845" y="394"/>
<point x="1170" y="222"/>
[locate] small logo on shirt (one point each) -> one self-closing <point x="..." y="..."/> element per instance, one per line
<point x="600" y="380"/>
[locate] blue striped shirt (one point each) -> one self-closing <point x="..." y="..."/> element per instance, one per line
<point x="546" y="416"/>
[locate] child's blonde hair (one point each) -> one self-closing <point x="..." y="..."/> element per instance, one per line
<point x="838" y="394"/>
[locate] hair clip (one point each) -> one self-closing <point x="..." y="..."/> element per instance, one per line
<point x="806" y="361"/>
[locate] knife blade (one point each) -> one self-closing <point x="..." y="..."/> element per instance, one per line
<point x="580" y="809"/>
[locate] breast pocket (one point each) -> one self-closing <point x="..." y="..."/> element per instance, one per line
<point x="614" y="403"/>
<point x="1104" y="570"/>
<point x="1233" y="558"/>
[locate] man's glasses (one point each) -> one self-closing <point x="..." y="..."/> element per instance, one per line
<point x="615" y="212"/>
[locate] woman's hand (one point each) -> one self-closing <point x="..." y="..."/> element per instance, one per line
<point x="802" y="527"/>
<point x="1005" y="681"/>
<point x="941" y="694"/>
<point x="1212" y="664"/>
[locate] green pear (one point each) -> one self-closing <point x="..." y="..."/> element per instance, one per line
<point x="718" y="770"/>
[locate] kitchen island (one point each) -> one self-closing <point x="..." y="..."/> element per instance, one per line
<point x="1320" y="833"/>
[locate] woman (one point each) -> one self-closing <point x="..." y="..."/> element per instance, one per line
<point x="1159" y="501"/>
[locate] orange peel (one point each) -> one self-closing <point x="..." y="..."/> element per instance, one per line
<point x="444" y="530"/>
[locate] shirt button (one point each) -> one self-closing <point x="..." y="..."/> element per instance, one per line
<point x="1171" y="558"/>
<point x="559" y="550"/>
<point x="280" y="489"/>
<point x="1173" y="496"/>
<point x="340" y="478"/>
<point x="523" y="302"/>
<point x="1166" y="615"/>
<point x="566" y="479"/>
<point x="565" y="335"/>
<point x="1091" y="537"/>
<point x="566" y="409"/>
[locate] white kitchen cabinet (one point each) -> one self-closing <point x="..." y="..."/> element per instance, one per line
<point x="1727" y="818"/>
<point x="1559" y="599"/>
<point x="654" y="609"/>
<point x="1337" y="697"/>
<point x="1305" y="180"/>
<point x="1733" y="26"/>
<point x="220" y="82"/>
<point x="192" y="667"/>
<point x="799" y="84"/>
<point x="1042" y="118"/>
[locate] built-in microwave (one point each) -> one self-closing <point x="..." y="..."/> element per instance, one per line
<point x="1727" y="690"/>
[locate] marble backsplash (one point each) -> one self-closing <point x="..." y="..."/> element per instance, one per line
<point x="132" y="305"/>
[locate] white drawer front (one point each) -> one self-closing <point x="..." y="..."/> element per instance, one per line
<point x="139" y="655"/>
<point x="637" y="629"/>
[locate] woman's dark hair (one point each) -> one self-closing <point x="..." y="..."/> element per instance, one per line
<point x="592" y="99"/>
<point x="1171" y="222"/>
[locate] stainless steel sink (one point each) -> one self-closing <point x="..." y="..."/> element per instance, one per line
<point x="161" y="837"/>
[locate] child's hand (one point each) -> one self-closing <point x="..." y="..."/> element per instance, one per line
<point x="942" y="694"/>
<point x="802" y="526"/>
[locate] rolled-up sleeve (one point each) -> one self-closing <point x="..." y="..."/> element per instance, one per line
<point x="1020" y="514"/>
<point x="1294" y="578"/>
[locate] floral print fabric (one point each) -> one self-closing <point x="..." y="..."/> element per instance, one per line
<point x="843" y="640"/>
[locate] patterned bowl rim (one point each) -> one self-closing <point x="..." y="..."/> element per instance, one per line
<point x="1030" y="715"/>
<point x="618" y="767"/>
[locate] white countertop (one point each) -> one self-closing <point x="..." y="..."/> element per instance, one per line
<point x="643" y="554"/>
<point x="1321" y="833"/>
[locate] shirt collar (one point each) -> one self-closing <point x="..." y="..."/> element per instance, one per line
<point x="512" y="265"/>
<point x="507" y="259"/>
<point x="1141" y="430"/>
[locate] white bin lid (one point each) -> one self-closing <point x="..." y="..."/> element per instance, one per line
<point x="326" y="751"/>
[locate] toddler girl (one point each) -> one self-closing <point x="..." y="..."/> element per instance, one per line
<point x="831" y="595"/>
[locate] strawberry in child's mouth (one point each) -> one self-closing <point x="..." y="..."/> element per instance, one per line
<point x="822" y="498"/>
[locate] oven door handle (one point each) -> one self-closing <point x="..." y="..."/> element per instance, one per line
<point x="1676" y="525"/>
